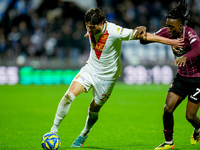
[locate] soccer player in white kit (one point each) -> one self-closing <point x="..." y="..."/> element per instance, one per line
<point x="102" y="68"/>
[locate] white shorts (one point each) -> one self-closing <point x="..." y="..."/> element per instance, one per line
<point x="101" y="89"/>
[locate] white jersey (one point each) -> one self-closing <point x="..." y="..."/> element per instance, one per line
<point x="104" y="60"/>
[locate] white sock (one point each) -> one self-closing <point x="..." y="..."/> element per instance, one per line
<point x="169" y="142"/>
<point x="90" y="121"/>
<point x="62" y="110"/>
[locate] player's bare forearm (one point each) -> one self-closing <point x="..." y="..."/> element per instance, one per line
<point x="155" y="38"/>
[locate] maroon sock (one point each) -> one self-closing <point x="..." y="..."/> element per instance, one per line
<point x="168" y="135"/>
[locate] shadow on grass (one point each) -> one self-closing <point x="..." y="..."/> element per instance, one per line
<point x="84" y="148"/>
<point x="98" y="148"/>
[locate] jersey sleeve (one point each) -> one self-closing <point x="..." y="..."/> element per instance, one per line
<point x="194" y="43"/>
<point x="123" y="34"/>
<point x="163" y="32"/>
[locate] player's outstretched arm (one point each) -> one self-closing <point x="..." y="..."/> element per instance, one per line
<point x="149" y="37"/>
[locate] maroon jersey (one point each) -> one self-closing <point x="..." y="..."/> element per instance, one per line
<point x="191" y="50"/>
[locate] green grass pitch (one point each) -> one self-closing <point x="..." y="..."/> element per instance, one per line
<point x="130" y="120"/>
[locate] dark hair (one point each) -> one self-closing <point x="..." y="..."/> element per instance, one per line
<point x="179" y="12"/>
<point x="94" y="16"/>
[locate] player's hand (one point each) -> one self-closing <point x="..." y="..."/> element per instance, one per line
<point x="177" y="43"/>
<point x="175" y="50"/>
<point x="140" y="32"/>
<point x="86" y="35"/>
<point x="180" y="61"/>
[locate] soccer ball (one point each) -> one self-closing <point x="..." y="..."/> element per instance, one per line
<point x="50" y="141"/>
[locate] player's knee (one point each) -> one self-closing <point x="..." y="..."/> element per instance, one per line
<point x="68" y="97"/>
<point x="94" y="107"/>
<point x="168" y="109"/>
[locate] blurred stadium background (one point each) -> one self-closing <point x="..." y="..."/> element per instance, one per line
<point x="41" y="42"/>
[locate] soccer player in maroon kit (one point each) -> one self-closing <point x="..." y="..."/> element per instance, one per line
<point x="187" y="80"/>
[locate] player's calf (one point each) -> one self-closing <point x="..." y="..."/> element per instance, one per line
<point x="62" y="110"/>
